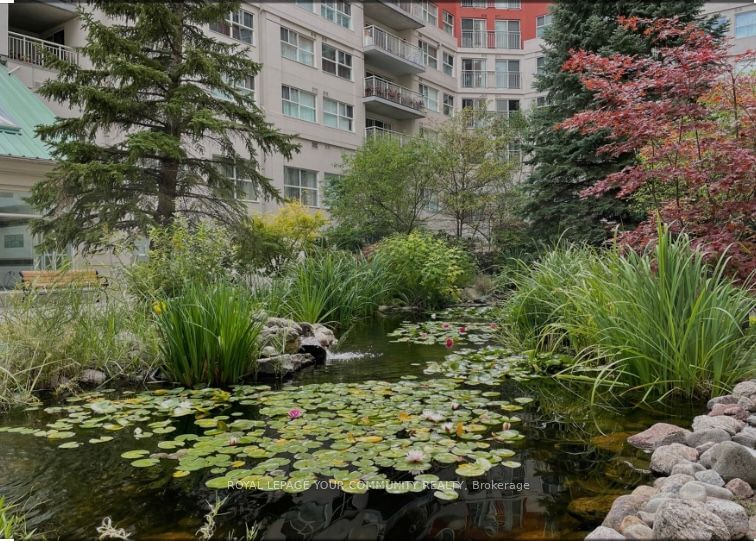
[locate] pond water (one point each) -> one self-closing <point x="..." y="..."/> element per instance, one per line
<point x="572" y="461"/>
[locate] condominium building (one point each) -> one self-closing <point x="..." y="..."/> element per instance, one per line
<point x="334" y="72"/>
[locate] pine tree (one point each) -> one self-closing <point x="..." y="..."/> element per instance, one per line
<point x="162" y="118"/>
<point x="565" y="163"/>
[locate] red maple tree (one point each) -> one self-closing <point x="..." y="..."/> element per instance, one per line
<point x="688" y="112"/>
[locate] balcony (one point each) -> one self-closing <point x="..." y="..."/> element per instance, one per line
<point x="383" y="97"/>
<point x="491" y="79"/>
<point x="398" y="14"/>
<point x="391" y="53"/>
<point x="34" y="51"/>
<point x="491" y="40"/>
<point x="374" y="131"/>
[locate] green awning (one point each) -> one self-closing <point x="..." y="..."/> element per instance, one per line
<point x="20" y="111"/>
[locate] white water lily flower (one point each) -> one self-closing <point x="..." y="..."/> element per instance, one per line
<point x="415" y="456"/>
<point x="448" y="427"/>
<point x="433" y="316"/>
<point x="137" y="431"/>
<point x="432" y="416"/>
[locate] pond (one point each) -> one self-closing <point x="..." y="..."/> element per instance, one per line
<point x="556" y="482"/>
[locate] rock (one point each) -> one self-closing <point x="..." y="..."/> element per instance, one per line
<point x="739" y="488"/>
<point x="687" y="468"/>
<point x="92" y="377"/>
<point x="623" y="507"/>
<point x="322" y="334"/>
<point x="732" y="514"/>
<point x="656" y="502"/>
<point x="282" y="334"/>
<point x="710" y="477"/>
<point x="686" y="519"/>
<point x="602" y="532"/>
<point x="658" y="435"/>
<point x="645" y="492"/>
<point x="268" y="351"/>
<point x="746" y="437"/>
<point x="714" y="491"/>
<point x="648" y="518"/>
<point x="613" y="442"/>
<point x="638" y="531"/>
<point x="732" y="460"/>
<point x="282" y="366"/>
<point x="748" y="404"/>
<point x="311" y="346"/>
<point x="733" y="410"/>
<point x="58" y="381"/>
<point x="725" y="422"/>
<point x="705" y="447"/>
<point x="629" y="521"/>
<point x="752" y="420"/>
<point x="751" y="528"/>
<point x="717" y="435"/>
<point x="746" y="389"/>
<point x="591" y="509"/>
<point x="672" y="484"/>
<point x="693" y="491"/>
<point x="666" y="456"/>
<point x="724" y="399"/>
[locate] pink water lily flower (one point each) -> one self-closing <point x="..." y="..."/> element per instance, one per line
<point x="462" y="330"/>
<point x="415" y="456"/>
<point x="454" y="405"/>
<point x="449" y="343"/>
<point x="445" y="325"/>
<point x="295" y="413"/>
<point x="506" y="426"/>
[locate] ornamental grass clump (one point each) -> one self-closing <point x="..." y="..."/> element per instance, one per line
<point x="209" y="335"/>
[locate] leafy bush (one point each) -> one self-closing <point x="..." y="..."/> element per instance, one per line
<point x="48" y="336"/>
<point x="653" y="325"/>
<point x="209" y="335"/>
<point x="427" y="271"/>
<point x="328" y="286"/>
<point x="181" y="255"/>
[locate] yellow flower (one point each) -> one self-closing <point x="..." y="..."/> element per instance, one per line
<point x="158" y="307"/>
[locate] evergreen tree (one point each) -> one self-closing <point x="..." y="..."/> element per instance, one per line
<point x="565" y="163"/>
<point x="162" y="118"/>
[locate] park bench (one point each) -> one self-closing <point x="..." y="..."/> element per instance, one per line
<point x="63" y="279"/>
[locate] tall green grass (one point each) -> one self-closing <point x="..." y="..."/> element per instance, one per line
<point x="649" y="326"/>
<point x="328" y="286"/>
<point x="209" y="334"/>
<point x="13" y="522"/>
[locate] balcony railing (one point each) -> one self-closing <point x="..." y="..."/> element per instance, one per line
<point x="381" y="88"/>
<point x="490" y="79"/>
<point x="34" y="51"/>
<point x="491" y="40"/>
<point x="413" y="8"/>
<point x="390" y="43"/>
<point x="375" y="131"/>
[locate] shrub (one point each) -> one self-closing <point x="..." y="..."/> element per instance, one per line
<point x="209" y="335"/>
<point x="427" y="271"/>
<point x="328" y="286"/>
<point x="181" y="255"/>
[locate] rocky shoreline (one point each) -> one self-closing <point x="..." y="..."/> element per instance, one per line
<point x="707" y="475"/>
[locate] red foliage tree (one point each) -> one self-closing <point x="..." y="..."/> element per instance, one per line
<point x="689" y="115"/>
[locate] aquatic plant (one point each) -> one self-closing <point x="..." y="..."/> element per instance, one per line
<point x="207" y="530"/>
<point x="428" y="271"/>
<point x="209" y="335"/>
<point x="12" y="521"/>
<point x="436" y="332"/>
<point x="107" y="530"/>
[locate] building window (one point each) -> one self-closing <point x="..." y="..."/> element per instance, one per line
<point x="429" y="12"/>
<point x="338" y="115"/>
<point x="449" y="64"/>
<point x="244" y="188"/>
<point x="239" y="25"/>
<point x="295" y="46"/>
<point x="305" y="4"/>
<point x="542" y="101"/>
<point x="337" y="12"/>
<point x="507" y="35"/>
<point x="540" y="63"/>
<point x="474" y="33"/>
<point x="541" y="23"/>
<point x="337" y="62"/>
<point x="475" y="3"/>
<point x="301" y="185"/>
<point x="448" y="23"/>
<point x="298" y="103"/>
<point x="508" y="4"/>
<point x="507" y="107"/>
<point x="246" y="86"/>
<point x="448" y="105"/>
<point x="16" y="240"/>
<point x="430" y="97"/>
<point x="745" y="24"/>
<point x="473" y="75"/>
<point x="429" y="53"/>
<point x="507" y="74"/>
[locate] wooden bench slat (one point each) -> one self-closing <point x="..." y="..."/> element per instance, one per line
<point x="59" y="279"/>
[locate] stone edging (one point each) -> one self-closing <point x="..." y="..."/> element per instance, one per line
<point x="707" y="477"/>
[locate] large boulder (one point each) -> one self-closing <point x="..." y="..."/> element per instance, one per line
<point x="658" y="435"/>
<point x="739" y="488"/>
<point x="622" y="507"/>
<point x="724" y="399"/>
<point x="666" y="456"/>
<point x="732" y="460"/>
<point x="733" y="410"/>
<point x="687" y="519"/>
<point x="746" y="389"/>
<point x="91" y="376"/>
<point x="322" y="335"/>
<point x="282" y="366"/>
<point x="725" y="422"/>
<point x="283" y="335"/>
<point x="732" y="514"/>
